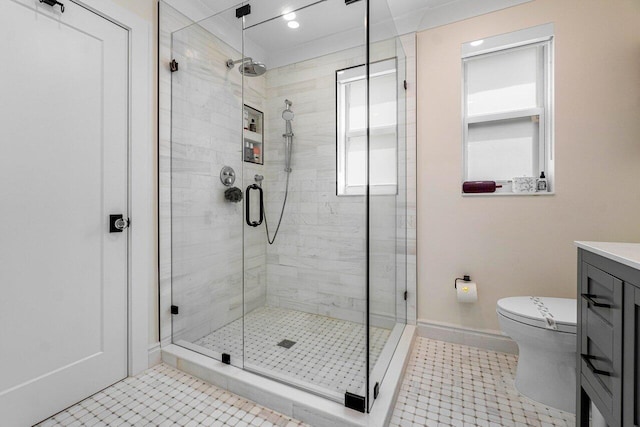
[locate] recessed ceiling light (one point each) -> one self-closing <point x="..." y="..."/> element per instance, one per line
<point x="290" y="16"/>
<point x="293" y="24"/>
<point x="476" y="43"/>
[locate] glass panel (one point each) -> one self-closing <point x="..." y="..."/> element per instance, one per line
<point x="305" y="265"/>
<point x="503" y="149"/>
<point x="357" y="104"/>
<point x="206" y="228"/>
<point x="503" y="81"/>
<point x="356" y="159"/>
<point x="352" y="122"/>
<point x="382" y="158"/>
<point x="387" y="209"/>
<point x="383" y="99"/>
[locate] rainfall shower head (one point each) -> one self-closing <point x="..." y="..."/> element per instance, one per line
<point x="248" y="67"/>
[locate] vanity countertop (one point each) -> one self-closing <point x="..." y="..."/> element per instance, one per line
<point x="624" y="253"/>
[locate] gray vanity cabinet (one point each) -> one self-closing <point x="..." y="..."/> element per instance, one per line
<point x="631" y="362"/>
<point x="607" y="340"/>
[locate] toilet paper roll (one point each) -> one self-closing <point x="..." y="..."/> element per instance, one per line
<point x="467" y="292"/>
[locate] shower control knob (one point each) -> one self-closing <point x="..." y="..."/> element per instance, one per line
<point x="227" y="176"/>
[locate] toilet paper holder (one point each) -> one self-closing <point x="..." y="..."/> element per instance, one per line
<point x="464" y="278"/>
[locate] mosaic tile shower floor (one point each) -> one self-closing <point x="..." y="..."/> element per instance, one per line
<point x="163" y="396"/>
<point x="328" y="352"/>
<point x="454" y="385"/>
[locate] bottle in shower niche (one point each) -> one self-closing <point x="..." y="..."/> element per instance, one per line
<point x="252" y="125"/>
<point x="246" y="119"/>
<point x="541" y="183"/>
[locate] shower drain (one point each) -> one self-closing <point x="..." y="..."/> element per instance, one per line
<point x="286" y="343"/>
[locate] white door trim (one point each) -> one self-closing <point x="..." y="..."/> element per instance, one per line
<point x="142" y="252"/>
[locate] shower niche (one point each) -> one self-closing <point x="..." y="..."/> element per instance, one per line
<point x="253" y="135"/>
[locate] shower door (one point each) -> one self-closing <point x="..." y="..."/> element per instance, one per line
<point x="206" y="221"/>
<point x="306" y="292"/>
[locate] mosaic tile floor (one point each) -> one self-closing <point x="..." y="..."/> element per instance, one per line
<point x="329" y="353"/>
<point x="163" y="396"/>
<point x="454" y="385"/>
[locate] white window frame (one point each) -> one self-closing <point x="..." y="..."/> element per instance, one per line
<point x="541" y="36"/>
<point x="343" y="78"/>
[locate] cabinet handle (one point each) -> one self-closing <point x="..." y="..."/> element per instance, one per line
<point x="591" y="300"/>
<point x="587" y="359"/>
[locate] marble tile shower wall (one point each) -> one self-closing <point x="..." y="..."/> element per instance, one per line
<point x="318" y="263"/>
<point x="207" y="231"/>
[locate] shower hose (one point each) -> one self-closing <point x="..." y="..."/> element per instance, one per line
<point x="284" y="203"/>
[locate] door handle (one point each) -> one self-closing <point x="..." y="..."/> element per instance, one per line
<point x="248" y="205"/>
<point x="117" y="223"/>
<point x="587" y="359"/>
<point x="591" y="299"/>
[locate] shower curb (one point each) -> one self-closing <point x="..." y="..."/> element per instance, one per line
<point x="307" y="407"/>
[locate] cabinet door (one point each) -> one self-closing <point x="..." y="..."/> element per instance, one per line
<point x="601" y="340"/>
<point x="631" y="385"/>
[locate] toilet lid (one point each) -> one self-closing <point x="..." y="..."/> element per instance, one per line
<point x="542" y="312"/>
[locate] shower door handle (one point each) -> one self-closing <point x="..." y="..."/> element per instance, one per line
<point x="248" y="205"/>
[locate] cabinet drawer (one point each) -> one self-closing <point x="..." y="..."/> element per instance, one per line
<point x="600" y="336"/>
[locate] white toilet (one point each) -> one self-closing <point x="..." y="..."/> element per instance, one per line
<point x="545" y="331"/>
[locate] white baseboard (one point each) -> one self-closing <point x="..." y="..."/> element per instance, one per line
<point x="488" y="340"/>
<point x="155" y="354"/>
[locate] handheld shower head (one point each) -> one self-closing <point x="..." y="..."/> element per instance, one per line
<point x="287" y="114"/>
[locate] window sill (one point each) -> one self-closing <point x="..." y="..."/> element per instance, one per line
<point x="546" y="193"/>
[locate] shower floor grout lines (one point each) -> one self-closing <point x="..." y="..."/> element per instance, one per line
<point x="328" y="353"/>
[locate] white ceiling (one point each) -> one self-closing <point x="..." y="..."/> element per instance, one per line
<point x="325" y="25"/>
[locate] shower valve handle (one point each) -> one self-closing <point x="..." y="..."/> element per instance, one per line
<point x="248" y="205"/>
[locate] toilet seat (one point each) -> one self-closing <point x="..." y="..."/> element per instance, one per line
<point x="534" y="311"/>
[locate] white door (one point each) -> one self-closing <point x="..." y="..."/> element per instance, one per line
<point x="63" y="171"/>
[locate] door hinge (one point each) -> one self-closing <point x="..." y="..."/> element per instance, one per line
<point x="405" y="85"/>
<point x="355" y="402"/>
<point x="406" y="295"/>
<point x="174" y="309"/>
<point x="243" y="11"/>
<point x="376" y="390"/>
<point x="226" y="359"/>
<point x="173" y="65"/>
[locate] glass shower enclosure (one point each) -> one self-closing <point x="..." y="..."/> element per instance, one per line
<point x="288" y="193"/>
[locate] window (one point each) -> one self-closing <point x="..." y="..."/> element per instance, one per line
<point x="351" y="85"/>
<point x="507" y="120"/>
